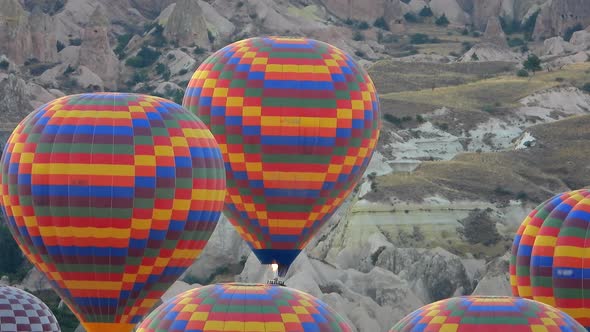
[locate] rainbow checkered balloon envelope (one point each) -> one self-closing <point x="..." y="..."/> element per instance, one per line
<point x="239" y="307"/>
<point x="22" y="311"/>
<point x="487" y="314"/>
<point x="549" y="255"/>
<point x="297" y="121"/>
<point x="112" y="196"/>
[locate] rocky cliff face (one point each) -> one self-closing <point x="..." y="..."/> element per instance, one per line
<point x="15" y="35"/>
<point x="367" y="11"/>
<point x="559" y="15"/>
<point x="186" y="25"/>
<point x="96" y="53"/>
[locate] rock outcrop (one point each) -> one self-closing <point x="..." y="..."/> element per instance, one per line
<point x="494" y="33"/>
<point x="186" y="25"/>
<point x="451" y="9"/>
<point x="483" y="10"/>
<point x="367" y="11"/>
<point x="96" y="53"/>
<point x="43" y="37"/>
<point x="559" y="16"/>
<point x="15" y="35"/>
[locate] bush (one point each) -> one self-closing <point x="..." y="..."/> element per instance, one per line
<point x="419" y="38"/>
<point x="358" y="36"/>
<point x="122" y="42"/>
<point x="210" y="36"/>
<point x="359" y="53"/>
<point x="513" y="42"/>
<point x="479" y="228"/>
<point x="75" y="42"/>
<point x="199" y="50"/>
<point x="426" y="12"/>
<point x="442" y="21"/>
<point x="532" y="63"/>
<point x="363" y="25"/>
<point x="158" y="39"/>
<point x="465" y="32"/>
<point x="522" y="73"/>
<point x="410" y="17"/>
<point x="11" y="257"/>
<point x="420" y="118"/>
<point x="4" y="64"/>
<point x="145" y="57"/>
<point x="381" y="23"/>
<point x="586" y="87"/>
<point x="474" y="57"/>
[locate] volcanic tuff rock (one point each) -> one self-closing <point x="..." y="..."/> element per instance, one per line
<point x="368" y="10"/>
<point x="559" y="15"/>
<point x="494" y="33"/>
<point x="186" y="25"/>
<point x="451" y="9"/>
<point x="96" y="53"/>
<point x="25" y="36"/>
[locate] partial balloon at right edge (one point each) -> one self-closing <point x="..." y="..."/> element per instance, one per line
<point x="297" y="121"/>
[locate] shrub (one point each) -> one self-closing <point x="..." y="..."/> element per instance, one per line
<point x="529" y="25"/>
<point x="358" y="36"/>
<point x="420" y="118"/>
<point x="199" y="50"/>
<point x="474" y="57"/>
<point x="158" y="39"/>
<point x="145" y="57"/>
<point x="586" y="87"/>
<point x="426" y="12"/>
<point x="522" y="73"/>
<point x="381" y="23"/>
<point x="11" y="256"/>
<point x="4" y="64"/>
<point x="359" y="53"/>
<point x="465" y="32"/>
<point x="532" y="63"/>
<point x="210" y="36"/>
<point x="122" y="42"/>
<point x="75" y="42"/>
<point x="509" y="25"/>
<point x="410" y="17"/>
<point x="419" y="38"/>
<point x="183" y="71"/>
<point x="478" y="227"/>
<point x="363" y="25"/>
<point x="513" y="42"/>
<point x="442" y="21"/>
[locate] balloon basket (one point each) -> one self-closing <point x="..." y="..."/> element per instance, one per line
<point x="276" y="282"/>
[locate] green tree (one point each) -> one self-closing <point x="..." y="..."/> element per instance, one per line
<point x="532" y="63"/>
<point x="11" y="256"/>
<point x="426" y="12"/>
<point x="442" y="21"/>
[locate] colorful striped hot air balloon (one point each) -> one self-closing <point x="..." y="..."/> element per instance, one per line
<point x="487" y="314"/>
<point x="112" y="196"/>
<point x="21" y="311"/>
<point x="297" y="121"/>
<point x="243" y="307"/>
<point x="550" y="261"/>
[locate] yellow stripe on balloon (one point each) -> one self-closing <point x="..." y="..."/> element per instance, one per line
<point x="207" y="194"/>
<point x="92" y="114"/>
<point x="293" y="176"/>
<point x="545" y="241"/>
<point x="93" y="285"/>
<point x="196" y="133"/>
<point x="85" y="232"/>
<point x="569" y="251"/>
<point x="287" y="223"/>
<point x="82" y="169"/>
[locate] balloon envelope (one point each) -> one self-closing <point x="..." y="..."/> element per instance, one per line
<point x="243" y="307"/>
<point x="551" y="246"/>
<point x="112" y="196"/>
<point x="22" y="311"/>
<point x="487" y="314"/>
<point x="297" y="121"/>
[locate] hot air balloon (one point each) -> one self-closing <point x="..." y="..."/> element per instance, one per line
<point x="239" y="307"/>
<point x="297" y="121"/>
<point x="22" y="311"/>
<point x="487" y="314"/>
<point x="112" y="196"/>
<point x="550" y="260"/>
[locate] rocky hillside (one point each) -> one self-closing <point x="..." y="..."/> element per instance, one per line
<point x="476" y="130"/>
